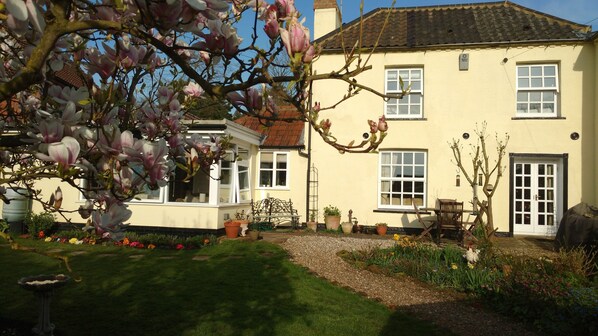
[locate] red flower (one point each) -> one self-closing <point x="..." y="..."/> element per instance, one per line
<point x="180" y="246"/>
<point x="41" y="234"/>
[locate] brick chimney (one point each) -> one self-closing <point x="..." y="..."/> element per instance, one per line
<point x="326" y="17"/>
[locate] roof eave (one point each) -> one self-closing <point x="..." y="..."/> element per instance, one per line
<point x="461" y="45"/>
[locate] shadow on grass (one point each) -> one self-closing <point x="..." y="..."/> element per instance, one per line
<point x="240" y="291"/>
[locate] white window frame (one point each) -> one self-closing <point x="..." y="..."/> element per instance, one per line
<point x="401" y="179"/>
<point x="407" y="99"/>
<point x="234" y="196"/>
<point x="545" y="88"/>
<point x="275" y="170"/>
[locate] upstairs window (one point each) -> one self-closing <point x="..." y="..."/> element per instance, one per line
<point x="537" y="90"/>
<point x="411" y="105"/>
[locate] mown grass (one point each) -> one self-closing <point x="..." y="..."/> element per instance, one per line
<point x="241" y="289"/>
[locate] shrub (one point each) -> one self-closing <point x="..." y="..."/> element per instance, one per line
<point x="331" y="211"/>
<point x="40" y="225"/>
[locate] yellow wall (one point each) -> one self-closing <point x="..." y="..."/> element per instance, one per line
<point x="295" y="191"/>
<point x="454" y="102"/>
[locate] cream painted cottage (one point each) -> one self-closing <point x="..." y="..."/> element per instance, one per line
<point x="525" y="73"/>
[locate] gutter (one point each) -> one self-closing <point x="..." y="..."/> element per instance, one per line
<point x="461" y="45"/>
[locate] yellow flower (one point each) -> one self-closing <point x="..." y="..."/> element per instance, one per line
<point x="396" y="237"/>
<point x="73" y="241"/>
<point x="454" y="266"/>
<point x="470" y="265"/>
<point x="48" y="239"/>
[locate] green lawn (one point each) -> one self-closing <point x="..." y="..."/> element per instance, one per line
<point x="242" y="289"/>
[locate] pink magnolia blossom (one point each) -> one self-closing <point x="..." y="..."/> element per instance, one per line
<point x="64" y="153"/>
<point x="285" y="8"/>
<point x="193" y="90"/>
<point x="373" y="126"/>
<point x="111" y="221"/>
<point x="272" y="28"/>
<point x="382" y="125"/>
<point x="296" y="40"/>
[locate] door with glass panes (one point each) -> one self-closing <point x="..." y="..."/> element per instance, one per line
<point x="536" y="196"/>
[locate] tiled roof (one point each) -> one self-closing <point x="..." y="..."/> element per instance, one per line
<point x="281" y="134"/>
<point x="455" y="25"/>
<point x="69" y="75"/>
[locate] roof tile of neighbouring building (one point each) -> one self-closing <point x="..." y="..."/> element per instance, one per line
<point x="281" y="134"/>
<point x="454" y="25"/>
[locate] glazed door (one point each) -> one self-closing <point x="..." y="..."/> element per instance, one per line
<point x="536" y="197"/>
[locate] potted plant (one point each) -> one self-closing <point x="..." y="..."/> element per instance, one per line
<point x="347" y="227"/>
<point x="243" y="220"/>
<point x="381" y="228"/>
<point x="254" y="231"/>
<point x="231" y="228"/>
<point x="332" y="217"/>
<point x="312" y="224"/>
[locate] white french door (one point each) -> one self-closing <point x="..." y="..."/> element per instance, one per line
<point x="537" y="196"/>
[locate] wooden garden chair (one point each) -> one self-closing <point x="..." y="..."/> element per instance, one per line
<point x="450" y="217"/>
<point x="427" y="225"/>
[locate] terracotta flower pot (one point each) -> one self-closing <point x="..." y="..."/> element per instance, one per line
<point x="332" y="222"/>
<point x="312" y="226"/>
<point x="232" y="229"/>
<point x="381" y="229"/>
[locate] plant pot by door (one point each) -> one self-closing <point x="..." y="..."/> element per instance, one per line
<point x="232" y="229"/>
<point x="312" y="226"/>
<point x="332" y="222"/>
<point x="381" y="229"/>
<point x="347" y="227"/>
<point x="254" y="234"/>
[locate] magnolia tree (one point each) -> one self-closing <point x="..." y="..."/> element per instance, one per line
<point x="122" y="127"/>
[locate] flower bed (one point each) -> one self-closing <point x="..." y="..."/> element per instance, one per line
<point x="557" y="296"/>
<point x="132" y="240"/>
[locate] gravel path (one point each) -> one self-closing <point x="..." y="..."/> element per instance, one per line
<point x="448" y="310"/>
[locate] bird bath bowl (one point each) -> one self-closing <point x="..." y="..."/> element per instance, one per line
<point x="43" y="286"/>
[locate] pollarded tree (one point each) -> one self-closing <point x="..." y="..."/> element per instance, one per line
<point x="121" y="125"/>
<point x="484" y="172"/>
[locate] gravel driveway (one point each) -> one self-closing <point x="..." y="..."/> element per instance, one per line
<point x="448" y="310"/>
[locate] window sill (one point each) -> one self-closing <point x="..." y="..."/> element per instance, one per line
<point x="399" y="211"/>
<point x="538" y="118"/>
<point x="405" y="119"/>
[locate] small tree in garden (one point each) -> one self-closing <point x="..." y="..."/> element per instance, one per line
<point x="121" y="127"/>
<point x="483" y="172"/>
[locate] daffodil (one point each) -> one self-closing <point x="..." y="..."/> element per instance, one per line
<point x="454" y="266"/>
<point x="396" y="237"/>
<point x="73" y="241"/>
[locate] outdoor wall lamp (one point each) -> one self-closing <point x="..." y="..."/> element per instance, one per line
<point x="574" y="136"/>
<point x="458" y="180"/>
<point x="465" y="136"/>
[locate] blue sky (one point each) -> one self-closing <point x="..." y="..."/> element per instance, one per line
<point x="579" y="11"/>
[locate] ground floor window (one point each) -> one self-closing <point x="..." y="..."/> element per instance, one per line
<point x="402" y="179"/>
<point x="196" y="190"/>
<point x="274" y="169"/>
